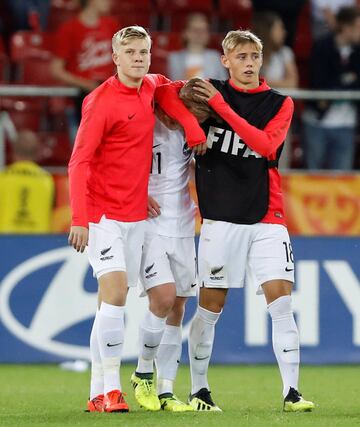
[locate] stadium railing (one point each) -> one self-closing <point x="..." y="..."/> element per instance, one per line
<point x="59" y="91"/>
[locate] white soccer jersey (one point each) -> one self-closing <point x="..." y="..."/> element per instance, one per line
<point x="168" y="184"/>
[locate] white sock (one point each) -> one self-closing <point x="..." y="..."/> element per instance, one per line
<point x="97" y="373"/>
<point x="285" y="339"/>
<point x="150" y="333"/>
<point x="168" y="359"/>
<point x="201" y="339"/>
<point x="111" y="340"/>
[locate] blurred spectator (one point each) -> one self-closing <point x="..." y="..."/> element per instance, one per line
<point x="26" y="190"/>
<point x="329" y="126"/>
<point x="289" y="11"/>
<point x="20" y="13"/>
<point x="323" y="15"/>
<point x="83" y="55"/>
<point x="279" y="66"/>
<point x="195" y="60"/>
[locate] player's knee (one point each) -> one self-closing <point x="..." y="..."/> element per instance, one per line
<point x="163" y="305"/>
<point x="177" y="312"/>
<point x="214" y="306"/>
<point x="276" y="289"/>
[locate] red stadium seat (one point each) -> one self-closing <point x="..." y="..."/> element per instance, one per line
<point x="26" y="113"/>
<point x="31" y="51"/>
<point x="60" y="12"/>
<point x="4" y="69"/>
<point x="165" y="6"/>
<point x="235" y="13"/>
<point x="4" y="63"/>
<point x="56" y="148"/>
<point x="303" y="44"/>
<point x="176" y="12"/>
<point x="130" y="12"/>
<point x="29" y="44"/>
<point x="134" y="17"/>
<point x="119" y="7"/>
<point x="2" y="46"/>
<point x="303" y="39"/>
<point x="216" y="40"/>
<point x="163" y="43"/>
<point x="36" y="71"/>
<point x="158" y="65"/>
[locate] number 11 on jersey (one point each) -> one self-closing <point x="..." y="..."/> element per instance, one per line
<point x="156" y="164"/>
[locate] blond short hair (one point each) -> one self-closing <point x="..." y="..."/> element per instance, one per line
<point x="240" y="37"/>
<point x="127" y="34"/>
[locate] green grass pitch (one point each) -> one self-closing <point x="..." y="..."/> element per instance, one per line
<point x="44" y="395"/>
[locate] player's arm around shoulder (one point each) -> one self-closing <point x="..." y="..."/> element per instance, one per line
<point x="167" y="96"/>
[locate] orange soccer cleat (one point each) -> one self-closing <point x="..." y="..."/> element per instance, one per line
<point x="114" y="402"/>
<point x="96" y="404"/>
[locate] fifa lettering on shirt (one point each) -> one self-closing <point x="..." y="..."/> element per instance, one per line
<point x="230" y="142"/>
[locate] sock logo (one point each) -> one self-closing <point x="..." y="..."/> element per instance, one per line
<point x="151" y="346"/>
<point x="149" y="267"/>
<point x="201" y="358"/>
<point x="289" y="269"/>
<point x="105" y="251"/>
<point x="290" y="349"/>
<point x="193" y="285"/>
<point x="113" y="345"/>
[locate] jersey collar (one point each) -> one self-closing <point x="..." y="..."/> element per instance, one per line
<point x="114" y="80"/>
<point x="261" y="88"/>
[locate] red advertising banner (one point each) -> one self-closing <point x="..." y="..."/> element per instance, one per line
<point x="322" y="205"/>
<point x="315" y="205"/>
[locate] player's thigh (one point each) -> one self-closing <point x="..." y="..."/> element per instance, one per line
<point x="106" y="247"/>
<point x="222" y="257"/>
<point x="133" y="250"/>
<point x="271" y="257"/>
<point x="155" y="267"/>
<point x="182" y="258"/>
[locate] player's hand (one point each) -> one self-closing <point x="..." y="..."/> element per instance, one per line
<point x="78" y="237"/>
<point x="200" y="149"/>
<point x="205" y="90"/>
<point x="153" y="208"/>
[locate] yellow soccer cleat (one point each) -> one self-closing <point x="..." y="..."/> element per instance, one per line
<point x="145" y="392"/>
<point x="294" y="402"/>
<point x="171" y="403"/>
<point x="201" y="401"/>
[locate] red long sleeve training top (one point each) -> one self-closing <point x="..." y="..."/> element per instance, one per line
<point x="110" y="164"/>
<point x="265" y="142"/>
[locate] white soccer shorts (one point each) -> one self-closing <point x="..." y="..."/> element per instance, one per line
<point x="231" y="255"/>
<point x="116" y="246"/>
<point x="168" y="260"/>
